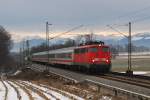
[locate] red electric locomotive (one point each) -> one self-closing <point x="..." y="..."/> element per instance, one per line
<point x="88" y="57"/>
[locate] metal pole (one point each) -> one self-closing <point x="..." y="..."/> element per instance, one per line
<point x="47" y="45"/>
<point x="130" y="45"/>
<point x="47" y="42"/>
<point x="23" y="53"/>
<point x="28" y="51"/>
<point x="129" y="71"/>
<point x="20" y="56"/>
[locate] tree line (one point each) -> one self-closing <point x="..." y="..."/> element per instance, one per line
<point x="6" y="60"/>
<point x="115" y="49"/>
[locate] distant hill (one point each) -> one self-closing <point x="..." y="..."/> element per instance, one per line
<point x="36" y="42"/>
<point x="140" y="39"/>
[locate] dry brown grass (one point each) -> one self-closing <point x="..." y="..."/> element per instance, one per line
<point x="138" y="64"/>
<point x="80" y="89"/>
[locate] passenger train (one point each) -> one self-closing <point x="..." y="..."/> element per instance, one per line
<point x="88" y="57"/>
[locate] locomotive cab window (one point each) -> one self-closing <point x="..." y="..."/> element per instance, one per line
<point x="105" y="49"/>
<point x="81" y="50"/>
<point x="93" y="50"/>
<point x="76" y="51"/>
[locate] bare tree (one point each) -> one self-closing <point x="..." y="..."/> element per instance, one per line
<point x="5" y="46"/>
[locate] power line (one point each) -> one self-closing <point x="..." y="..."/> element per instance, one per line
<point x="126" y="24"/>
<point x="134" y="12"/>
<point x="141" y="19"/>
<point x="130" y="14"/>
<point x="77" y="27"/>
<point x="117" y="31"/>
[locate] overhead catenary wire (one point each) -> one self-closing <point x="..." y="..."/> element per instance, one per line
<point x="113" y="26"/>
<point x="72" y="29"/>
<point x="140" y="19"/>
<point x="136" y="20"/>
<point x="130" y="14"/>
<point x="117" y="31"/>
<point x="134" y="12"/>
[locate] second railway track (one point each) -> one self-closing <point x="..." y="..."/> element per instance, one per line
<point x="138" y="80"/>
<point x="134" y="80"/>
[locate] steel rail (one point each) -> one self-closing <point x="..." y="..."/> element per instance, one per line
<point x="6" y="88"/>
<point x="15" y="88"/>
<point x="24" y="89"/>
<point x="138" y="81"/>
<point x="118" y="90"/>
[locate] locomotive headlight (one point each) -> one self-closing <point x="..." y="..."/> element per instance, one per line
<point x="107" y="60"/>
<point x="93" y="60"/>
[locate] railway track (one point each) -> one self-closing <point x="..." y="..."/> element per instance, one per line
<point x="26" y="90"/>
<point x="137" y="80"/>
<point x="13" y="89"/>
<point x="16" y="90"/>
<point x="35" y="90"/>
<point x="6" y="89"/>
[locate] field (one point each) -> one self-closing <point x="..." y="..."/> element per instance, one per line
<point x="138" y="64"/>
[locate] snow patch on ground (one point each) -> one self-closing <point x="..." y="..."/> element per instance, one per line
<point x="139" y="72"/>
<point x="17" y="72"/>
<point x="11" y="92"/>
<point x="24" y="96"/>
<point x="106" y="98"/>
<point x="2" y="91"/>
<point x="35" y="95"/>
<point x="12" y="95"/>
<point x="56" y="94"/>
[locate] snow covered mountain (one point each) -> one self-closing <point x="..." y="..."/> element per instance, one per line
<point x="140" y="39"/>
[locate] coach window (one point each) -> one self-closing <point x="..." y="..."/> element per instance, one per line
<point x="43" y="56"/>
<point x="68" y="55"/>
<point x="52" y="55"/>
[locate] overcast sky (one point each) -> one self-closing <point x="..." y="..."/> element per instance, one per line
<point x="27" y="17"/>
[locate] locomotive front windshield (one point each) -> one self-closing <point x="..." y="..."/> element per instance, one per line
<point x="93" y="49"/>
<point x="105" y="49"/>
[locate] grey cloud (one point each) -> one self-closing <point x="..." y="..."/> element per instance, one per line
<point x="31" y="14"/>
